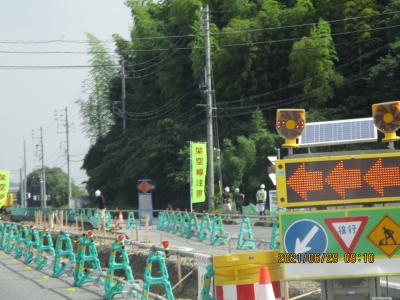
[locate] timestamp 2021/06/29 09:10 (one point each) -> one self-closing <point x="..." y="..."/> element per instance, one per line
<point x="329" y="258"/>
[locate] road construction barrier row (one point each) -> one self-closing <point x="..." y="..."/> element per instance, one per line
<point x="221" y="274"/>
<point x="36" y="246"/>
<point x="186" y="224"/>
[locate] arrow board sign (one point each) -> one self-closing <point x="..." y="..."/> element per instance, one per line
<point x="347" y="230"/>
<point x="338" y="179"/>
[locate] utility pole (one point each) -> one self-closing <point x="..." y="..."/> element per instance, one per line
<point x="123" y="95"/>
<point x="68" y="159"/>
<point x="43" y="196"/>
<point x="25" y="179"/>
<point x="21" y="188"/>
<point x="210" y="140"/>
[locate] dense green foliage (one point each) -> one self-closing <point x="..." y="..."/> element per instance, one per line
<point x="334" y="58"/>
<point x="56" y="187"/>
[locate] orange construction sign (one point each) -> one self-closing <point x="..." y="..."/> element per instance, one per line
<point x="386" y="236"/>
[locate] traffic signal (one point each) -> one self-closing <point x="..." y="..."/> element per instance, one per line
<point x="387" y="119"/>
<point x="290" y="124"/>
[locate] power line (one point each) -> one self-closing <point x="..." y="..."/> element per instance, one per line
<point x="74" y="41"/>
<point x="191" y="48"/>
<point x="292" y="99"/>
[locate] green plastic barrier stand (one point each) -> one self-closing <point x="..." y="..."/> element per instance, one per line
<point x="110" y="288"/>
<point x="158" y="257"/>
<point x="173" y="221"/>
<point x="60" y="268"/>
<point x="177" y="221"/>
<point x="274" y="236"/>
<point x="95" y="219"/>
<point x="246" y="237"/>
<point x="205" y="227"/>
<point x="5" y="236"/>
<point x="183" y="223"/>
<point x="160" y="220"/>
<point x="45" y="247"/>
<point x="218" y="235"/>
<point x="107" y="220"/>
<point x="32" y="242"/>
<point x="205" y="290"/>
<point x="81" y="274"/>
<point x="22" y="234"/>
<point x="193" y="226"/>
<point x="168" y="226"/>
<point x="12" y="239"/>
<point x="131" y="221"/>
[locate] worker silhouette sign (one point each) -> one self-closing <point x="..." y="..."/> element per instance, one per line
<point x="386" y="236"/>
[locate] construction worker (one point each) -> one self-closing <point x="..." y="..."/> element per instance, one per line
<point x="101" y="206"/>
<point x="261" y="198"/>
<point x="238" y="197"/>
<point x="226" y="201"/>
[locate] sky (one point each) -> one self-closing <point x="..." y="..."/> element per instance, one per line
<point x="30" y="98"/>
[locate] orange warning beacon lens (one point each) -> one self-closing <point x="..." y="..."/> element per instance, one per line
<point x="290" y="124"/>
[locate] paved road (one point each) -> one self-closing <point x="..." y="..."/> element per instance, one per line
<point x="156" y="236"/>
<point x="19" y="281"/>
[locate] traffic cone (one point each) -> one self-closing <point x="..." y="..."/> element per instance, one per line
<point x="264" y="289"/>
<point x="121" y="220"/>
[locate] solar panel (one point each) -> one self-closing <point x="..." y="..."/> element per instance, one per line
<point x="338" y="132"/>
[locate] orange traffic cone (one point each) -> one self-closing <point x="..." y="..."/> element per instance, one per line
<point x="264" y="289"/>
<point x="121" y="220"/>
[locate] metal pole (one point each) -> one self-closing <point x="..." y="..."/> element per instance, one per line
<point x="43" y="183"/>
<point x="191" y="177"/>
<point x="68" y="159"/>
<point x="24" y="180"/>
<point x="21" y="187"/>
<point x="210" y="140"/>
<point x="123" y="95"/>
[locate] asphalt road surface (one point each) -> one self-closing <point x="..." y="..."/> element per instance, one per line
<point x="20" y="281"/>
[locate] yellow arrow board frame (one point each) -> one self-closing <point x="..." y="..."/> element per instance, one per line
<point x="338" y="180"/>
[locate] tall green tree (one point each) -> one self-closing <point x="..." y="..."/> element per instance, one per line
<point x="96" y="110"/>
<point x="56" y="186"/>
<point x="312" y="61"/>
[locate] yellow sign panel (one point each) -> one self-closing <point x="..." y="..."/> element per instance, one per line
<point x="4" y="186"/>
<point x="338" y="180"/>
<point x="244" y="268"/>
<point x="386" y="236"/>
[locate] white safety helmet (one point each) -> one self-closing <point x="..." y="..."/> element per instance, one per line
<point x="237" y="190"/>
<point x="227" y="189"/>
<point x="97" y="193"/>
<point x="262" y="186"/>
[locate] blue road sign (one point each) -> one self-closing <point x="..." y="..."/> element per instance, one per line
<point x="305" y="236"/>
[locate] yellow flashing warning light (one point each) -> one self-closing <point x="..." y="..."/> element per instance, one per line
<point x="387" y="119"/>
<point x="290" y="124"/>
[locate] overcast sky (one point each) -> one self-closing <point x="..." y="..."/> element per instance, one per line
<point x="29" y="98"/>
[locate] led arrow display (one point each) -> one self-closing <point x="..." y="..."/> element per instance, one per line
<point x="357" y="178"/>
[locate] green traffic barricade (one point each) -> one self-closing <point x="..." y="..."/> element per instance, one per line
<point x="12" y="239"/>
<point x="63" y="250"/>
<point x="193" y="226"/>
<point x="183" y="223"/>
<point x="32" y="242"/>
<point x="22" y="234"/>
<point x="246" y="237"/>
<point x="110" y="287"/>
<point x="158" y="257"/>
<point x="160" y="220"/>
<point x="81" y="274"/>
<point x="205" y="226"/>
<point x="205" y="291"/>
<point x="45" y="246"/>
<point x="131" y="224"/>
<point x="218" y="235"/>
